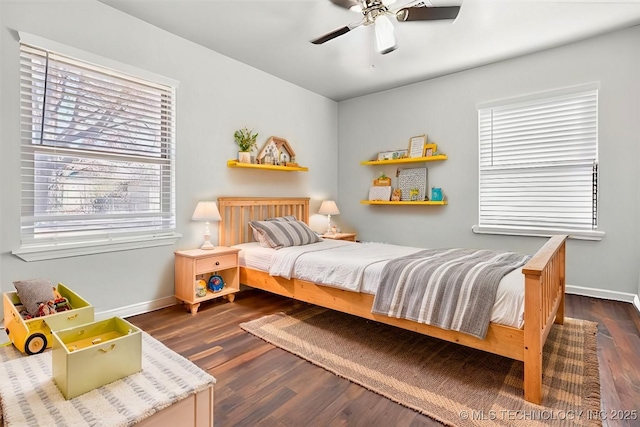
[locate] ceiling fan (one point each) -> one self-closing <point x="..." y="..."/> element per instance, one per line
<point x="377" y="12"/>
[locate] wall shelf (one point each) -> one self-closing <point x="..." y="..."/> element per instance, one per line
<point x="383" y="202"/>
<point x="405" y="160"/>
<point x="402" y="161"/>
<point x="236" y="164"/>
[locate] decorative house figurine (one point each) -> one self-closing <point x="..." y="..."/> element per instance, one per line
<point x="276" y="151"/>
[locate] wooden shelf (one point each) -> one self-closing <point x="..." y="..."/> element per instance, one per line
<point x="227" y="290"/>
<point x="236" y="164"/>
<point x="382" y="202"/>
<point x="405" y="160"/>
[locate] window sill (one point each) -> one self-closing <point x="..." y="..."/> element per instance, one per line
<point x="47" y="251"/>
<point x="573" y="234"/>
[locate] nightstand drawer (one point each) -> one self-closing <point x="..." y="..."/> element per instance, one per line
<point x="214" y="263"/>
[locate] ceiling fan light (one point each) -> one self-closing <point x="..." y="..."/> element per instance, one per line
<point x="388" y="2"/>
<point x="385" y="37"/>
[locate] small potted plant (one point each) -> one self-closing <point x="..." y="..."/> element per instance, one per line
<point x="246" y="141"/>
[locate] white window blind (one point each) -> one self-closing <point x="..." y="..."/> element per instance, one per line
<point x="538" y="164"/>
<point x="97" y="152"/>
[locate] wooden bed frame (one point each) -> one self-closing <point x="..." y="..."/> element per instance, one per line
<point x="544" y="290"/>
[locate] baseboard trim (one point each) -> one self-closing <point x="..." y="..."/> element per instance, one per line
<point x="602" y="293"/>
<point x="636" y="303"/>
<point x="140" y="308"/>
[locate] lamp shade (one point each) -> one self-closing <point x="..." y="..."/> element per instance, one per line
<point x="206" y="211"/>
<point x="328" y="207"/>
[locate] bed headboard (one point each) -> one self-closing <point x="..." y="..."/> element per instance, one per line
<point x="236" y="212"/>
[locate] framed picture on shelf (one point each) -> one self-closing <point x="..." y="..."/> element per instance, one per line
<point x="416" y="145"/>
<point x="430" y="149"/>
<point x="384" y="155"/>
<point x="392" y="155"/>
<point x="412" y="183"/>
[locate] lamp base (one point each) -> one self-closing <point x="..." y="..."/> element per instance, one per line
<point x="207" y="245"/>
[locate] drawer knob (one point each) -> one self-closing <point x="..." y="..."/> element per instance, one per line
<point x="73" y="316"/>
<point x="217" y="262"/>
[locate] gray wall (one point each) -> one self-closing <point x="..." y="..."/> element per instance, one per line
<point x="445" y="109"/>
<point x="216" y="96"/>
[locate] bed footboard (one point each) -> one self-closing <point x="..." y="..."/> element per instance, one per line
<point x="543" y="305"/>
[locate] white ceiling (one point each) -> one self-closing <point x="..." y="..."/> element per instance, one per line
<point x="274" y="35"/>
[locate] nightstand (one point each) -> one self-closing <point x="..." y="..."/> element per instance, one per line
<point x="195" y="264"/>
<point x="351" y="237"/>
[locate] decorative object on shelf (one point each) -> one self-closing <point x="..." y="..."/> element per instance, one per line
<point x="276" y="151"/>
<point x="396" y="195"/>
<point x="328" y="208"/>
<point x="436" y="194"/>
<point x="430" y="150"/>
<point x="380" y="193"/>
<point x="382" y="181"/>
<point x="392" y="155"/>
<point x="412" y="178"/>
<point x="201" y="288"/>
<point x="206" y="211"/>
<point x="416" y="145"/>
<point x="246" y="141"/>
<point x="215" y="283"/>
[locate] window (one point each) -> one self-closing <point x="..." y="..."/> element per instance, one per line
<point x="539" y="165"/>
<point x="97" y="156"/>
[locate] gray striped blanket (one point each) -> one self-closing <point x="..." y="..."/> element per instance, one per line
<point x="452" y="289"/>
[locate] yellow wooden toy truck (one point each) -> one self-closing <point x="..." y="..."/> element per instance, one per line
<point x="33" y="336"/>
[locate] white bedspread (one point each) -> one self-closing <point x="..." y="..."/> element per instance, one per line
<point x="343" y="266"/>
<point x="358" y="267"/>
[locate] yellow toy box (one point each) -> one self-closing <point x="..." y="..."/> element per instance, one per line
<point x="92" y="355"/>
<point x="33" y="336"/>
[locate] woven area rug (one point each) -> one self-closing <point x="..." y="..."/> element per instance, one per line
<point x="455" y="385"/>
<point x="29" y="396"/>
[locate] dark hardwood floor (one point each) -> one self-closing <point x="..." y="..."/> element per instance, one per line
<point x="261" y="385"/>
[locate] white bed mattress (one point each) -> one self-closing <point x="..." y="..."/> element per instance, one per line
<point x="508" y="308"/>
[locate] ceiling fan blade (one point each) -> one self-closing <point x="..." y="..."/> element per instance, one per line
<point x="347" y="4"/>
<point x="336" y="33"/>
<point x="427" y="13"/>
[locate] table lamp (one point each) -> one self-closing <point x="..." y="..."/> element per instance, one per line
<point x="328" y="208"/>
<point x="206" y="211"/>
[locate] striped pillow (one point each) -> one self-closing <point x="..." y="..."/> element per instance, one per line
<point x="280" y="234"/>
<point x="283" y="218"/>
<point x="258" y="238"/>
